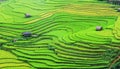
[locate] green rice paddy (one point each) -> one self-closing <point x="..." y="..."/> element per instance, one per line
<point x="66" y="34"/>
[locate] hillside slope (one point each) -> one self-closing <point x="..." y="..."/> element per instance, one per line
<point x="66" y="35"/>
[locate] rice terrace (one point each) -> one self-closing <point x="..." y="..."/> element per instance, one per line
<point x="65" y="34"/>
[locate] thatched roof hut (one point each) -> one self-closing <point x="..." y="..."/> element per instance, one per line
<point x="99" y="28"/>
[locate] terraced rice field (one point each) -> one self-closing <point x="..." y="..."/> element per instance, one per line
<point x="66" y="34"/>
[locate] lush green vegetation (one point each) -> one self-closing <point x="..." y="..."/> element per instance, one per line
<point x="66" y="34"/>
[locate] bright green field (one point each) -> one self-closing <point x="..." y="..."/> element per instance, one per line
<point x="66" y="34"/>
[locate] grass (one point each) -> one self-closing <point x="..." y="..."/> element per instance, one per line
<point x="8" y="60"/>
<point x="66" y="34"/>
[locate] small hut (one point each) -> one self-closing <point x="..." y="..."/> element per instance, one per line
<point x="99" y="28"/>
<point x="26" y="34"/>
<point x="27" y="15"/>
